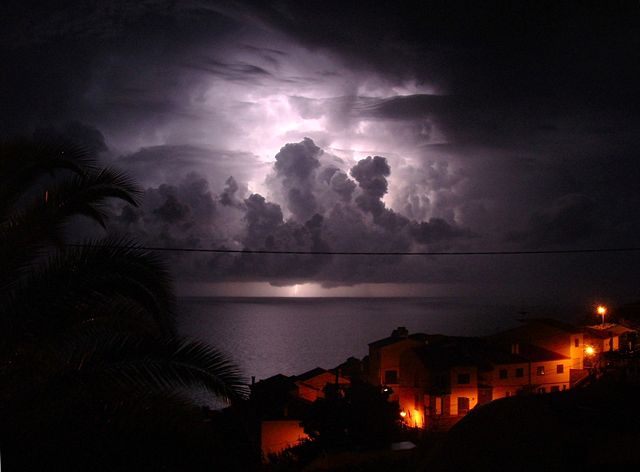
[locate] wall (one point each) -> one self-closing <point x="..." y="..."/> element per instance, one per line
<point x="278" y="435"/>
<point x="509" y="386"/>
<point x="388" y="358"/>
<point x="550" y="377"/>
<point x="313" y="388"/>
<point x="458" y="390"/>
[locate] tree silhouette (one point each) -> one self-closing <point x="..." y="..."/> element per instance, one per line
<point x="88" y="347"/>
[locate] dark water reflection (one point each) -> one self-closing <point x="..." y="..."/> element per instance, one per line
<point x="292" y="335"/>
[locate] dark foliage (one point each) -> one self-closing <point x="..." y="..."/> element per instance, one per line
<point x="357" y="417"/>
<point x="92" y="373"/>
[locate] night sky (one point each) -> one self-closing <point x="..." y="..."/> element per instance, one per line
<point x="352" y="126"/>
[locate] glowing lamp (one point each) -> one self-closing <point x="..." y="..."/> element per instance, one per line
<point x="589" y="351"/>
<point x="403" y="414"/>
<point x="601" y="310"/>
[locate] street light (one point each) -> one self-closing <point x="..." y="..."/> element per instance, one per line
<point x="602" y="310"/>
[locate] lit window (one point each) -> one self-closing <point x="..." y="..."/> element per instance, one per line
<point x="560" y="369"/>
<point x="540" y="370"/>
<point x="519" y="372"/>
<point x="390" y="377"/>
<point x="503" y="373"/>
<point x="464" y="379"/>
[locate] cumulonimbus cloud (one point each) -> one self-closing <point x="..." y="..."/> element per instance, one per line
<point x="318" y="207"/>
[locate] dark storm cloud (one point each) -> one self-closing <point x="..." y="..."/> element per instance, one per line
<point x="111" y="63"/>
<point x="239" y="71"/>
<point x="188" y="212"/>
<point x="502" y="126"/>
<point x="569" y="219"/>
<point x="151" y="165"/>
<point x="436" y="230"/>
<point x="371" y="173"/>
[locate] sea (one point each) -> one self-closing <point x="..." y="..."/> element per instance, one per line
<point x="268" y="336"/>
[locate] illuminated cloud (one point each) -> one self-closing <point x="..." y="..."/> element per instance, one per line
<point x="492" y="129"/>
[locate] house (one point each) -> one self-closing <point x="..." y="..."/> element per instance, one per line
<point x="610" y="337"/>
<point x="438" y="379"/>
<point x="311" y="384"/>
<point x="280" y="402"/>
<point x="552" y="335"/>
<point x="384" y="357"/>
<point x="443" y="380"/>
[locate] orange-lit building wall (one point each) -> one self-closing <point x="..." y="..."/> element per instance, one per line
<point x="411" y="401"/>
<point x="313" y="388"/>
<point x="576" y="351"/>
<point x="463" y="390"/>
<point x="278" y="435"/>
<point x="551" y="378"/>
<point x="387" y="358"/>
<point x="504" y="387"/>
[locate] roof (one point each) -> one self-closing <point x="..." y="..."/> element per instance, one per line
<point x="560" y="325"/>
<point x="276" y="382"/>
<point x="539" y="354"/>
<point x="608" y="330"/>
<point x="311" y="374"/>
<point x="459" y="351"/>
<point x="418" y="337"/>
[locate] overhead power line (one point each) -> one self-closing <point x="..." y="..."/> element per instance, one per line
<point x="373" y="253"/>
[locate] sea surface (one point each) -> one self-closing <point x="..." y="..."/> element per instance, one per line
<point x="267" y="336"/>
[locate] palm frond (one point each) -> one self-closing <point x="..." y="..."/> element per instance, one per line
<point x="151" y="364"/>
<point x="29" y="229"/>
<point x="88" y="194"/>
<point x="77" y="282"/>
<point x="23" y="161"/>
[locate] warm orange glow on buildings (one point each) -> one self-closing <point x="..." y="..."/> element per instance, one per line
<point x="276" y="436"/>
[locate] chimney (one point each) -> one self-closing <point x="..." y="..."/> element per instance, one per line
<point x="400" y="332"/>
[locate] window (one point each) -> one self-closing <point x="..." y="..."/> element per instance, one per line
<point x="503" y="373"/>
<point x="519" y="372"/>
<point x="390" y="377"/>
<point x="560" y="369"/>
<point x="540" y="370"/>
<point x="555" y="388"/>
<point x="464" y="378"/>
<point x="541" y="390"/>
<point x="576" y="342"/>
<point x="564" y="387"/>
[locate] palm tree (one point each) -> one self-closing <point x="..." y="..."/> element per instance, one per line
<point x="87" y="328"/>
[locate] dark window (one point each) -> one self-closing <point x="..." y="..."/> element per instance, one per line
<point x="576" y="342"/>
<point x="560" y="369"/>
<point x="519" y="372"/>
<point x="541" y="390"/>
<point x="390" y="377"/>
<point x="503" y="373"/>
<point x="464" y="378"/>
<point x="555" y="388"/>
<point x="540" y="370"/>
